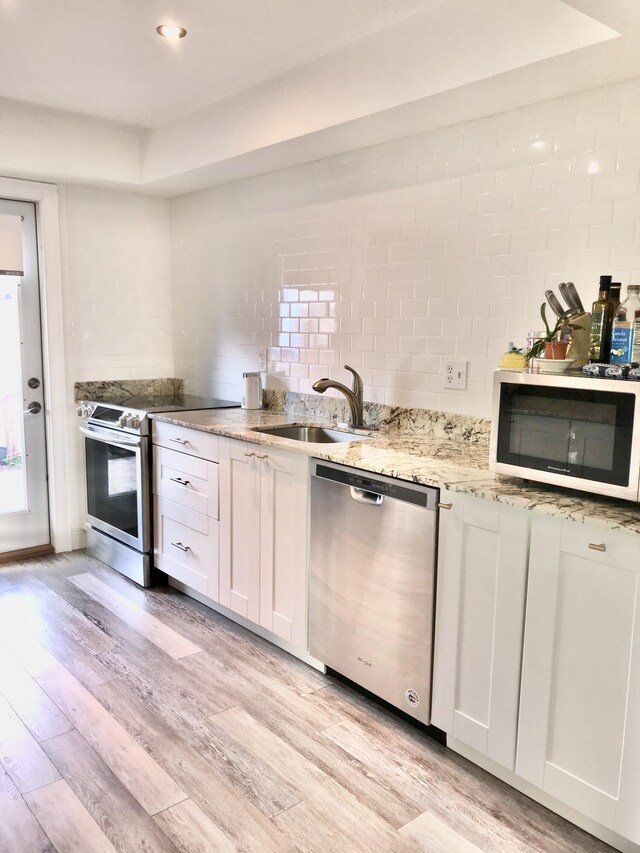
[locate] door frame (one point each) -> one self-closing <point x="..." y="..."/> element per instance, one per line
<point x="46" y="199"/>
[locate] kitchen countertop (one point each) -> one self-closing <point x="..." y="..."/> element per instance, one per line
<point x="415" y="455"/>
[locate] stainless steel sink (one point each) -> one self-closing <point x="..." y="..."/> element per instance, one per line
<point x="310" y="434"/>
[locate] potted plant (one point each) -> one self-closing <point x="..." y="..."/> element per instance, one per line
<point x="551" y="344"/>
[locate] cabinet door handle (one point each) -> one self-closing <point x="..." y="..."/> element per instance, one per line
<point x="261" y="455"/>
<point x="249" y="454"/>
<point x="179" y="440"/>
<point x="445" y="506"/>
<point x="180" y="481"/>
<point x="597" y="546"/>
<point x="181" y="546"/>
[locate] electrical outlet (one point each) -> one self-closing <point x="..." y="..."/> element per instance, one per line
<point x="455" y="373"/>
<point x="262" y="360"/>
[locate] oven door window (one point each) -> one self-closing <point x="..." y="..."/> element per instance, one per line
<point x="580" y="433"/>
<point x="113" y="486"/>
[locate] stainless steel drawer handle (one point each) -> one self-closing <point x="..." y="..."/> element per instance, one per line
<point x="364" y="497"/>
<point x="597" y="546"/>
<point x="180" y="481"/>
<point x="261" y="456"/>
<point x="249" y="454"/>
<point x="445" y="506"/>
<point x="179" y="440"/>
<point x="181" y="546"/>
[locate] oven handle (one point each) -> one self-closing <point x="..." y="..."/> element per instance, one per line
<point x="123" y="444"/>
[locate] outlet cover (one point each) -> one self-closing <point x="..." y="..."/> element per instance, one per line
<point x="262" y="360"/>
<point x="455" y="373"/>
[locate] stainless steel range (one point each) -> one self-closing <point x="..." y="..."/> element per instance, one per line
<point x="117" y="451"/>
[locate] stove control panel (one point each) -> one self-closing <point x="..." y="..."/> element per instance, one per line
<point x="84" y="410"/>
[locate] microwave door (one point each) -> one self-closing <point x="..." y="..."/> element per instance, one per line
<point x="579" y="433"/>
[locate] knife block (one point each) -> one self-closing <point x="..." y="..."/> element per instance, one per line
<point x="579" y="341"/>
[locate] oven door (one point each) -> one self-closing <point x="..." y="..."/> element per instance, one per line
<point x="117" y="480"/>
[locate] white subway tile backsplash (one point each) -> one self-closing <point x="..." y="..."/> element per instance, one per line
<point x="397" y="256"/>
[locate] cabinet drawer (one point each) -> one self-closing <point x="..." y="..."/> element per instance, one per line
<point x="186" y="480"/>
<point x="186" y="546"/>
<point x="192" y="441"/>
<point x="600" y="545"/>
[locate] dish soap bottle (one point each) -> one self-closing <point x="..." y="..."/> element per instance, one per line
<point x="622" y="332"/>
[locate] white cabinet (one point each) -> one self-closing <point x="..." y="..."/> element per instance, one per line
<point x="185" y="490"/>
<point x="482" y="566"/>
<point x="264" y="537"/>
<point x="579" y="729"/>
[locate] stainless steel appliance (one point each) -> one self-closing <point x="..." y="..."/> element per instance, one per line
<point x="117" y="451"/>
<point x="373" y="550"/>
<point x="567" y="430"/>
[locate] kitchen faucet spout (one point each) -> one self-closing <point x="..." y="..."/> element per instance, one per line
<point x="354" y="397"/>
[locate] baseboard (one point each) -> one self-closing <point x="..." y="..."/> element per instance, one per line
<point x="602" y="832"/>
<point x="78" y="539"/>
<point x="250" y="626"/>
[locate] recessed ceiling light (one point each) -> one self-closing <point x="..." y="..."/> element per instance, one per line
<point x="170" y="31"/>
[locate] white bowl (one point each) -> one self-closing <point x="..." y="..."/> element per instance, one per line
<point x="551" y="365"/>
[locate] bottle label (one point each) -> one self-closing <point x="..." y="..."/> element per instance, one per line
<point x="635" y="354"/>
<point x="621" y="344"/>
<point x="596" y="334"/>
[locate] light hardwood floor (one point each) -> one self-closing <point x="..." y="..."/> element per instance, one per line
<point x="139" y="720"/>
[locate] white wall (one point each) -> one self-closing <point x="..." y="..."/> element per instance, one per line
<point x="117" y="298"/>
<point x="392" y="258"/>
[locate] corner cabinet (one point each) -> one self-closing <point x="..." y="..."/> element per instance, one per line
<point x="481" y="590"/>
<point x="579" y="730"/>
<point x="264" y="537"/>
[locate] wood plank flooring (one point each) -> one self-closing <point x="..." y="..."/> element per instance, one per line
<point x="140" y="720"/>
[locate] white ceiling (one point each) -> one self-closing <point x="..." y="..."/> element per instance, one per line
<point x="92" y="95"/>
<point x="103" y="57"/>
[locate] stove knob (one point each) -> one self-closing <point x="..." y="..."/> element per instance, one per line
<point x="80" y="411"/>
<point x="133" y="421"/>
<point x="122" y="421"/>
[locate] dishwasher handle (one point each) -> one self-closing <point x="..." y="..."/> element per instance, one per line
<point x="364" y="497"/>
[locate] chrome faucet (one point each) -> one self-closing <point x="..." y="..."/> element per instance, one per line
<point x="354" y="398"/>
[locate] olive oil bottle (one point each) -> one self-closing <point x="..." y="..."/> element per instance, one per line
<point x="602" y="314"/>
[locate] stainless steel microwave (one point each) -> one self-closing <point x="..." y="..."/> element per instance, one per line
<point x="572" y="431"/>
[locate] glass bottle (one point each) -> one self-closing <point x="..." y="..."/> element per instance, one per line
<point x="601" y="322"/>
<point x="622" y="336"/>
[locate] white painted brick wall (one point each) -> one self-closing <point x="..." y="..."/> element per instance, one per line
<point x="393" y="257"/>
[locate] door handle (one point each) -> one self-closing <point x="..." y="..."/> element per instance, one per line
<point x="179" y="440"/>
<point x="595" y="546"/>
<point x="364" y="497"/>
<point x="181" y="546"/>
<point x="444" y="506"/>
<point x="32" y="409"/>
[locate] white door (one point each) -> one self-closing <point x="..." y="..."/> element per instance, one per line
<point x="24" y="510"/>
<point x="482" y="571"/>
<point x="283" y="546"/>
<point x="579" y="736"/>
<point x="240" y="528"/>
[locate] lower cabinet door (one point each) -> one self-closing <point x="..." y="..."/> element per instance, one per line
<point x="579" y="733"/>
<point x="481" y="584"/>
<point x="283" y="546"/>
<point x="240" y="469"/>
<point x="186" y="546"/>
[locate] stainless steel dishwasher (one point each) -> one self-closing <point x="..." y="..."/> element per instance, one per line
<point x="373" y="551"/>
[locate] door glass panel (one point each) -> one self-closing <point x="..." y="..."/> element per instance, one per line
<point x="13" y="486"/>
<point x="112" y="485"/>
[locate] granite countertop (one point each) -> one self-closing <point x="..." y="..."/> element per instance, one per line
<point x="415" y="455"/>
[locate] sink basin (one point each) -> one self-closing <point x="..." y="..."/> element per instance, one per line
<point x="311" y="434"/>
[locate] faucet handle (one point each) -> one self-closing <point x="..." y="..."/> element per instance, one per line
<point x="357" y="381"/>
